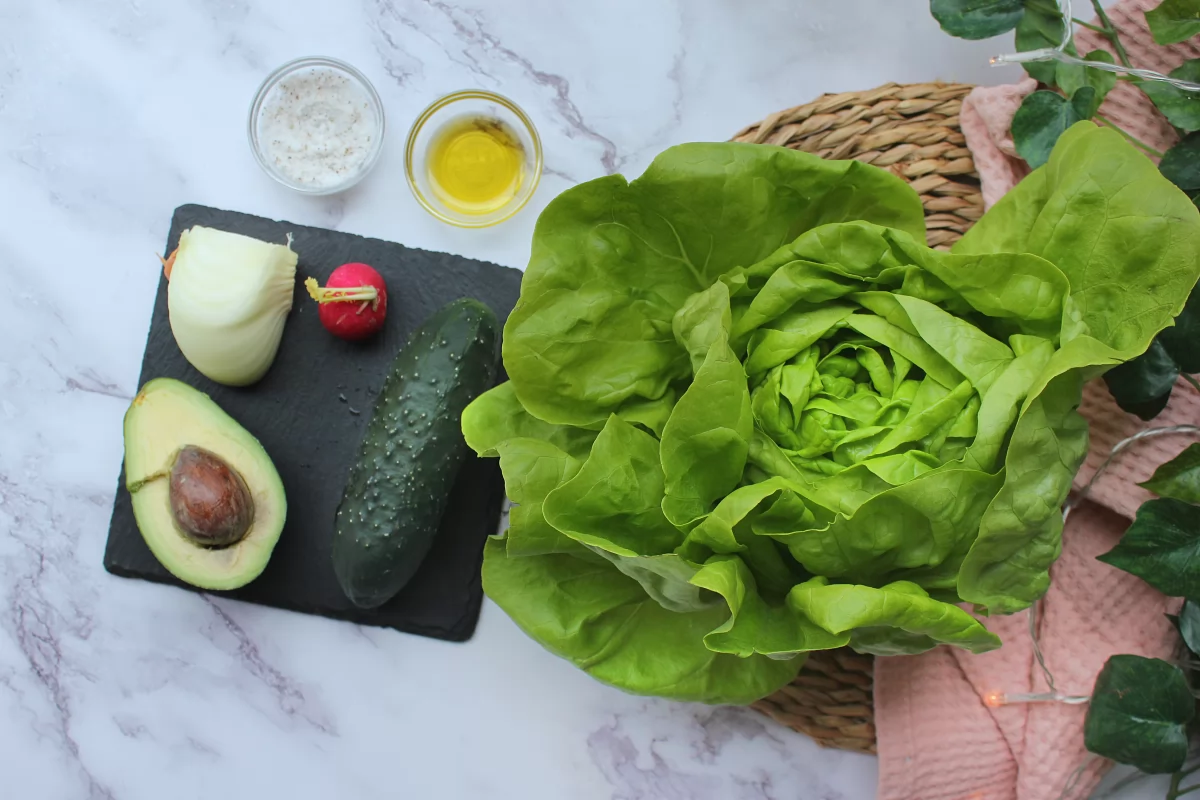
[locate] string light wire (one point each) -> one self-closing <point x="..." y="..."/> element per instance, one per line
<point x="1117" y="449"/>
<point x="1070" y="505"/>
<point x="1073" y="779"/>
<point x="1061" y="55"/>
<point x="995" y="699"/>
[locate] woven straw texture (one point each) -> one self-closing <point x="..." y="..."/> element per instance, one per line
<point x="911" y="130"/>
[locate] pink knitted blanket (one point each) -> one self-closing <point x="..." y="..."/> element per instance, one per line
<point x="938" y="738"/>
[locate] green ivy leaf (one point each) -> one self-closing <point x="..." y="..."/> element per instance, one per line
<point x="1162" y="547"/>
<point x="1188" y="624"/>
<point x="1178" y="478"/>
<point x="1149" y="409"/>
<point x="1085" y="101"/>
<point x="1138" y="714"/>
<point x="977" y="19"/>
<point x="1182" y="340"/>
<point x="1181" y="166"/>
<point x="1179" y="106"/>
<point x="1072" y="77"/>
<point x="1174" y="21"/>
<point x="1043" y="117"/>
<point x="1040" y="27"/>
<point x="1143" y="386"/>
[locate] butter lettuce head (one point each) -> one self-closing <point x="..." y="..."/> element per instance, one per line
<point x="751" y="415"/>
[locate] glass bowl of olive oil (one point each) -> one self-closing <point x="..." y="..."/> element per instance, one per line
<point x="473" y="159"/>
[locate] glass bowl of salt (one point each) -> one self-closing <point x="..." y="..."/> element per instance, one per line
<point x="316" y="125"/>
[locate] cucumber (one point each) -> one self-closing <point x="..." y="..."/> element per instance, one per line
<point x="411" y="452"/>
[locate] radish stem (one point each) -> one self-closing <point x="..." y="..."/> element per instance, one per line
<point x="349" y="294"/>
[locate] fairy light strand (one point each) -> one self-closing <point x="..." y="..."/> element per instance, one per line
<point x="1061" y="55"/>
<point x="1117" y="449"/>
<point x="996" y="699"/>
<point x="1037" y="648"/>
<point x="1074" y="778"/>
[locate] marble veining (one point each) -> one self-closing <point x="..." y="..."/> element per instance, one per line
<point x="114" y="112"/>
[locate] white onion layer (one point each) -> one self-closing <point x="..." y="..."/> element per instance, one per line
<point x="228" y="298"/>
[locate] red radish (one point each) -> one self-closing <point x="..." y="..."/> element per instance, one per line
<point x="353" y="303"/>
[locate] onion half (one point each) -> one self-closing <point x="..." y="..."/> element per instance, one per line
<point x="228" y="298"/>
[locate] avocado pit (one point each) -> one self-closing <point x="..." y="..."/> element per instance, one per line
<point x="210" y="501"/>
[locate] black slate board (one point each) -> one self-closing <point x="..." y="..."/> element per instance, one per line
<point x="311" y="434"/>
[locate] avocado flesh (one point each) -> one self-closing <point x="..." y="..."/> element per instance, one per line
<point x="165" y="417"/>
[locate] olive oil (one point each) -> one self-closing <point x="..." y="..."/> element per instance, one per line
<point x="475" y="164"/>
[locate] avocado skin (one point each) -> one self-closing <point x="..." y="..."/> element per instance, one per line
<point x="411" y="452"/>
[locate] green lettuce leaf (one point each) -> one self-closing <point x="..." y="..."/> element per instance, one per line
<point x="604" y="622"/>
<point x="1100" y="211"/>
<point x="1129" y="245"/>
<point x="535" y="458"/>
<point x="752" y="415"/>
<point x="614" y="501"/>
<point x="705" y="440"/>
<point x="613" y="261"/>
<point x="755" y="626"/>
<point x="896" y="619"/>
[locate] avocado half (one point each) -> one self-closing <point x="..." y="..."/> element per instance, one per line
<point x="207" y="499"/>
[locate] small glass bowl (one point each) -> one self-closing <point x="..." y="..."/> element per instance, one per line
<point x="470" y="103"/>
<point x="264" y="93"/>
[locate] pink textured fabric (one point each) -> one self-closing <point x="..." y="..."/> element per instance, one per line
<point x="1117" y="488"/>
<point x="937" y="738"/>
<point x="985" y="119"/>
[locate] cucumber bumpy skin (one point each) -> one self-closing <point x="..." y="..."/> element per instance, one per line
<point x="411" y="452"/>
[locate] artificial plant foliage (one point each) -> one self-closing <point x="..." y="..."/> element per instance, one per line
<point x="1040" y="28"/>
<point x="1044" y="116"/>
<point x="1072" y="77"/>
<point x="1181" y="166"/>
<point x="1143" y="386"/>
<point x="977" y="19"/>
<point x="1182" y="340"/>
<point x="1180" y="106"/>
<point x="1179" y="478"/>
<point x="1138" y="714"/>
<point x="1162" y="547"/>
<point x="1140" y="707"/>
<point x="1174" y="21"/>
<point x="1187" y="622"/>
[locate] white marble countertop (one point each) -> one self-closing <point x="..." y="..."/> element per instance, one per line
<point x="114" y="112"/>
